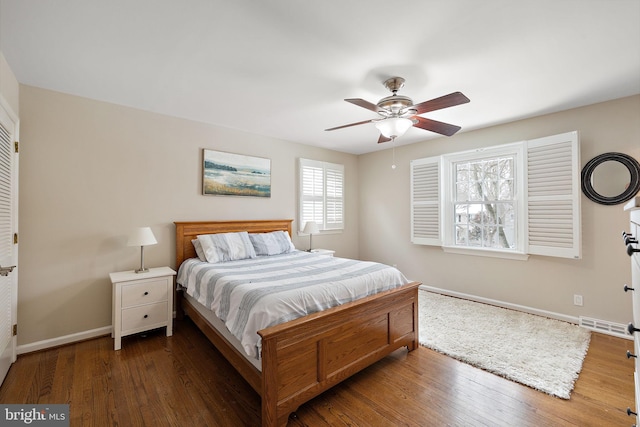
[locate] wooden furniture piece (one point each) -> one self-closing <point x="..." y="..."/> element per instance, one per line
<point x="141" y="302"/>
<point x="632" y="248"/>
<point x="306" y="356"/>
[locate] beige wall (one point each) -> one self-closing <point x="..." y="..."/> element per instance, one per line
<point x="91" y="171"/>
<point x="543" y="283"/>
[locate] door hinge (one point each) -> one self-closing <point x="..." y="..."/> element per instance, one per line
<point x="15" y="330"/>
<point x="16" y="143"/>
<point x="15" y="238"/>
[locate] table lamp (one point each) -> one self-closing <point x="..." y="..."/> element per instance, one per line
<point x="310" y="228"/>
<point x="142" y="237"/>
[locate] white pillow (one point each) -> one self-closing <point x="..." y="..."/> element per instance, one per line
<point x="198" y="247"/>
<point x="273" y="243"/>
<point x="226" y="246"/>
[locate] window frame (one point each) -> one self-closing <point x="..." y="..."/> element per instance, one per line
<point x="448" y="197"/>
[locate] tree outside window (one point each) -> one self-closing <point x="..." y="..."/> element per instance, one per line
<point x="484" y="203"/>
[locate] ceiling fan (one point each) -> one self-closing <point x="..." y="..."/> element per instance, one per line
<point x="399" y="112"/>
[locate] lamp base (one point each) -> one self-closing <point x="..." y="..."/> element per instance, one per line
<point x="142" y="269"/>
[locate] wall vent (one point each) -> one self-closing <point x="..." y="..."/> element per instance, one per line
<point x="605" y="327"/>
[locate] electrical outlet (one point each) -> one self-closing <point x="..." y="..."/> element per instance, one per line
<point x="577" y="300"/>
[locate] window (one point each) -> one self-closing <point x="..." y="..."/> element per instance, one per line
<point x="484" y="203"/>
<point x="321" y="194"/>
<point x="510" y="200"/>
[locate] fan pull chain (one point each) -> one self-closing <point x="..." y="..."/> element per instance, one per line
<point x="393" y="150"/>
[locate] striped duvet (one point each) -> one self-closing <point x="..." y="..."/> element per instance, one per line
<point x="252" y="294"/>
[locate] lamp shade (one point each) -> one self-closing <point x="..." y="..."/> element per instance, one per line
<point x="393" y="127"/>
<point x="142" y="236"/>
<point x="310" y="227"/>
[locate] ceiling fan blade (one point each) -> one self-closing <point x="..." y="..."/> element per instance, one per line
<point x="455" y="98"/>
<point x="350" y="124"/>
<point x="364" y="104"/>
<point x="383" y="139"/>
<point x="435" y="126"/>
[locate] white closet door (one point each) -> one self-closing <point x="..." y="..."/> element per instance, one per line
<point x="8" y="226"/>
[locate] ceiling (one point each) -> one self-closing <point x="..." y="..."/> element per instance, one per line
<point x="282" y="68"/>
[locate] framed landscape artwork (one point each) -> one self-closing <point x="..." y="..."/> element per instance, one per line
<point x="228" y="174"/>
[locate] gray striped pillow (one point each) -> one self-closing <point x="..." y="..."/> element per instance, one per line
<point x="224" y="247"/>
<point x="273" y="243"/>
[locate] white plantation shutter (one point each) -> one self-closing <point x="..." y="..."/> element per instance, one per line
<point x="321" y="194"/>
<point x="312" y="195"/>
<point x="553" y="195"/>
<point x="425" y="201"/>
<point x="334" y="198"/>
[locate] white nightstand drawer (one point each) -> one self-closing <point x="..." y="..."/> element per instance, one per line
<point x="144" y="317"/>
<point x="154" y="290"/>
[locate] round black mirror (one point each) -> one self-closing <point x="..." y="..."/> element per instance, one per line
<point x="611" y="178"/>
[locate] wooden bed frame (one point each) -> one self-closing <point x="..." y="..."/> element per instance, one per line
<point x="306" y="356"/>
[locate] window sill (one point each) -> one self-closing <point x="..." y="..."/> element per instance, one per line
<point x="335" y="231"/>
<point x="492" y="253"/>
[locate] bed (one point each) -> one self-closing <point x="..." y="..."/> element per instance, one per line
<point x="303" y="357"/>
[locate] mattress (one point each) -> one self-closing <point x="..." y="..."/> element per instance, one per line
<point x="253" y="294"/>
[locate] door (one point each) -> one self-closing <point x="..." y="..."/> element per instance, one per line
<point x="8" y="246"/>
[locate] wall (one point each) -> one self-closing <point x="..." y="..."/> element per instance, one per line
<point x="91" y="171"/>
<point x="543" y="283"/>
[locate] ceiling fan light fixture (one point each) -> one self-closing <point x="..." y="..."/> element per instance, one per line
<point x="393" y="127"/>
<point x="399" y="113"/>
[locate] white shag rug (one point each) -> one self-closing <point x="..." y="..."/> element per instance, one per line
<point x="542" y="353"/>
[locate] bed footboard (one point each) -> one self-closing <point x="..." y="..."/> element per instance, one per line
<point x="304" y="357"/>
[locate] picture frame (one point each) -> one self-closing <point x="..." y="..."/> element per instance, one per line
<point x="230" y="174"/>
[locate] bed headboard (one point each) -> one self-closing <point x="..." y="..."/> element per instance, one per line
<point x="187" y="231"/>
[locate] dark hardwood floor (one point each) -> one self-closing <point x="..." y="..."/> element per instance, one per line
<point x="184" y="381"/>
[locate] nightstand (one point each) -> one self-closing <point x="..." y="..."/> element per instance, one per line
<point x="141" y="302"/>
<point x="328" y="252"/>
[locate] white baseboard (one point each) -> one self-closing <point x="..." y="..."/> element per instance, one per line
<point x="67" y="339"/>
<point x="525" y="309"/>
